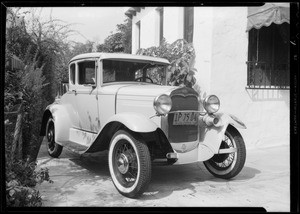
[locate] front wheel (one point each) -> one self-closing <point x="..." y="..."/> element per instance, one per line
<point x="129" y="164"/>
<point x="228" y="165"/>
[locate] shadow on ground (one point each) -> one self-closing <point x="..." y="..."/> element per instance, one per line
<point x="95" y="163"/>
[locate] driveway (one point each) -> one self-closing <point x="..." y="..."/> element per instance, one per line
<point x="85" y="181"/>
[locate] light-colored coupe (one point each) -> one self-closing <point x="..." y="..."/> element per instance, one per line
<point x="120" y="103"/>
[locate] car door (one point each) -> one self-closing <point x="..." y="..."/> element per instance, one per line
<point x="86" y="96"/>
<point x="69" y="97"/>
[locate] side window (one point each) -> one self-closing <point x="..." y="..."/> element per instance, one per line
<point x="72" y="73"/>
<point x="87" y="73"/>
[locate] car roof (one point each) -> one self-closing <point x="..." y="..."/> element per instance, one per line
<point x="121" y="56"/>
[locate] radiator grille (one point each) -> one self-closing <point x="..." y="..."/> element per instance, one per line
<point x="183" y="99"/>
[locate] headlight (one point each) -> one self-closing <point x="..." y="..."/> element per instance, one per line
<point x="211" y="104"/>
<point x="162" y="104"/>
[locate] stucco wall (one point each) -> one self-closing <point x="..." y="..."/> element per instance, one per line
<point x="221" y="45"/>
<point x="173" y="23"/>
<point x="265" y="112"/>
<point x="203" y="35"/>
<point x="149" y="28"/>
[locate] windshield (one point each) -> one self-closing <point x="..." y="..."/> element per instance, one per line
<point x="124" y="71"/>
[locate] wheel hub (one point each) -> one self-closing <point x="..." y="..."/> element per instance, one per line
<point x="123" y="164"/>
<point x="50" y="136"/>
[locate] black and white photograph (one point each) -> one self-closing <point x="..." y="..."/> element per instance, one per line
<point x="149" y="107"/>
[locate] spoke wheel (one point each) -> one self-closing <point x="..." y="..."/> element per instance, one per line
<point x="230" y="164"/>
<point x="125" y="163"/>
<point x="54" y="149"/>
<point x="223" y="161"/>
<point x="129" y="164"/>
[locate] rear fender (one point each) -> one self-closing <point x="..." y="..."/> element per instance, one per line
<point x="62" y="121"/>
<point x="212" y="136"/>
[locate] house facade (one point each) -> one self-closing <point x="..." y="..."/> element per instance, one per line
<point x="242" y="56"/>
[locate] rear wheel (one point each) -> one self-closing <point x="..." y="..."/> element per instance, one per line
<point x="129" y="164"/>
<point x="54" y="149"/>
<point x="228" y="165"/>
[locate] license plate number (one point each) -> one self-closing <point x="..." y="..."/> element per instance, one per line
<point x="185" y="118"/>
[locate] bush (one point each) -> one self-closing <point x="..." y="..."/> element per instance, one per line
<point x="32" y="83"/>
<point x="181" y="56"/>
<point x="24" y="87"/>
<point x="21" y="178"/>
<point x="41" y="47"/>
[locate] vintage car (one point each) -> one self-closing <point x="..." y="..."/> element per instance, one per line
<point x="121" y="103"/>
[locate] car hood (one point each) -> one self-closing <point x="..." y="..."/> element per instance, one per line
<point x="139" y="98"/>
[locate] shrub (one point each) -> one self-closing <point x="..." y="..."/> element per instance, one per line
<point x="181" y="56"/>
<point x="21" y="178"/>
<point x="24" y="87"/>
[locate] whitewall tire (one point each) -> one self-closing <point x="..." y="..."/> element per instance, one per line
<point x="129" y="164"/>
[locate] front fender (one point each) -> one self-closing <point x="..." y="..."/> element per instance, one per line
<point x="230" y="119"/>
<point x="134" y="121"/>
<point x="212" y="136"/>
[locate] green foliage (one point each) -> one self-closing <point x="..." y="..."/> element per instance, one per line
<point x="126" y="29"/>
<point x="25" y="174"/>
<point x="17" y="39"/>
<point x="21" y="196"/>
<point x="41" y="49"/>
<point x="119" y="41"/>
<point x="181" y="56"/>
<point x="80" y="48"/>
<point x="32" y="83"/>
<point x="21" y="178"/>
<point x="112" y="43"/>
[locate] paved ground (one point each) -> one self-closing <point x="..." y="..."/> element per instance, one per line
<point x="85" y="181"/>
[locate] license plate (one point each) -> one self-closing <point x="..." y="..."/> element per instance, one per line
<point x="185" y="118"/>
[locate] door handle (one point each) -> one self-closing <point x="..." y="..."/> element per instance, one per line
<point x="74" y="91"/>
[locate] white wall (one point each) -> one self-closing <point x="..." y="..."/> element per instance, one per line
<point x="265" y="112"/>
<point x="149" y="28"/>
<point x="149" y="19"/>
<point x="173" y="23"/>
<point x="203" y="44"/>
